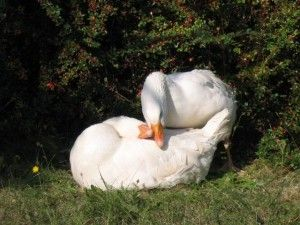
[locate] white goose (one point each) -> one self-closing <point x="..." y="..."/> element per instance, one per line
<point x="102" y="158"/>
<point x="187" y="99"/>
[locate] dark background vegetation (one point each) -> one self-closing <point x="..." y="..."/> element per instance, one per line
<point x="65" y="65"/>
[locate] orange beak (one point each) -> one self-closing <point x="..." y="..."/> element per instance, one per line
<point x="158" y="133"/>
<point x="145" y="131"/>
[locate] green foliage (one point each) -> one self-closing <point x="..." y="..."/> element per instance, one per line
<point x="276" y="147"/>
<point x="262" y="194"/>
<point x="67" y="64"/>
<point x="269" y="85"/>
<point x="118" y="207"/>
<point x="281" y="144"/>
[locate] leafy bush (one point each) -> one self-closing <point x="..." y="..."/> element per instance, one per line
<point x="280" y="145"/>
<point x="67" y="64"/>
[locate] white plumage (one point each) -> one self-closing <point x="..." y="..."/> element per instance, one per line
<point x="103" y="158"/>
<point x="187" y="99"/>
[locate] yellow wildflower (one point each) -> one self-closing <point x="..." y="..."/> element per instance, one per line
<point x="35" y="169"/>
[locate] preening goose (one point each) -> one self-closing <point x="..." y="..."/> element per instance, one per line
<point x="102" y="158"/>
<point x="186" y="99"/>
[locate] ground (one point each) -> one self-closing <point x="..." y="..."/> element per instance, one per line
<point x="260" y="194"/>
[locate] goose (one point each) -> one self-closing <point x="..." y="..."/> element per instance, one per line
<point x="186" y="100"/>
<point x="102" y="158"/>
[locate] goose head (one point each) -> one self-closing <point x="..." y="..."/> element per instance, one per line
<point x="154" y="104"/>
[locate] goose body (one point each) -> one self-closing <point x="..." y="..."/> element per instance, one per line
<point x="102" y="158"/>
<point x="186" y="99"/>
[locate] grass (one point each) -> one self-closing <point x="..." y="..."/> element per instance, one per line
<point x="261" y="194"/>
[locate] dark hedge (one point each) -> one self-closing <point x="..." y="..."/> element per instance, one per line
<point x="67" y="64"/>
